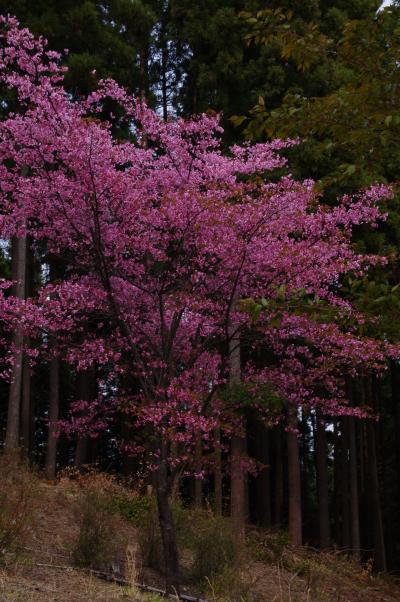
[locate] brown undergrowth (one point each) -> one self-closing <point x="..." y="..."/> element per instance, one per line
<point x="92" y="523"/>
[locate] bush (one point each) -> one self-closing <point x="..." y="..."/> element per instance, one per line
<point x="134" y="508"/>
<point x="150" y="542"/>
<point x="214" y="546"/>
<point x="95" y="545"/>
<point x="268" y="546"/>
<point x="18" y="495"/>
<point x="209" y="540"/>
<point x="231" y="585"/>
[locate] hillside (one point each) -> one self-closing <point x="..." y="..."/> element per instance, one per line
<point x="266" y="570"/>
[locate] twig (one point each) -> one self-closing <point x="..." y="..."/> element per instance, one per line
<point x="121" y="581"/>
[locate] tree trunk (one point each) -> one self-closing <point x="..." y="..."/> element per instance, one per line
<point x="81" y="451"/>
<point x="85" y="391"/>
<point x="294" y="480"/>
<point x="167" y="526"/>
<point x="379" y="539"/>
<point x="26" y="410"/>
<point x="263" y="480"/>
<point x="238" y="486"/>
<point x="354" y="501"/>
<point x="278" y="477"/>
<point x="18" y="247"/>
<point x="54" y="408"/>
<point x="345" y="483"/>
<point x="217" y="471"/>
<point x="322" y="483"/>
<point x="198" y="482"/>
<point x="238" y="449"/>
<point x="395" y="382"/>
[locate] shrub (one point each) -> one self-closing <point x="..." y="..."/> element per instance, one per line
<point x="95" y="545"/>
<point x="268" y="546"/>
<point x="150" y="542"/>
<point x="18" y="502"/>
<point x="214" y="546"/>
<point x="209" y="540"/>
<point x="134" y="508"/>
<point x="231" y="585"/>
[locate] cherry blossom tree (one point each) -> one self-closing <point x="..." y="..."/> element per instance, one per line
<point x="175" y="253"/>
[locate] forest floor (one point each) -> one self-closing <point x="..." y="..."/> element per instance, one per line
<point x="45" y="572"/>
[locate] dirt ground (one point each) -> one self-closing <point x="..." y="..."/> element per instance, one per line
<point x="45" y="573"/>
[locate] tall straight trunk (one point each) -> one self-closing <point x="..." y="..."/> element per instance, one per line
<point x="81" y="451"/>
<point x="167" y="525"/>
<point x="304" y="455"/>
<point x="354" y="501"/>
<point x="322" y="483"/>
<point x="86" y="384"/>
<point x="164" y="50"/>
<point x="164" y="75"/>
<point x="26" y="410"/>
<point x="263" y="480"/>
<point x="144" y="71"/>
<point x="374" y="488"/>
<point x="379" y="540"/>
<point x="278" y="477"/>
<point x="18" y="250"/>
<point x="56" y="270"/>
<point x="294" y="480"/>
<point x="238" y="449"/>
<point x="128" y="461"/>
<point x="54" y="409"/>
<point x="395" y="384"/>
<point x="198" y="482"/>
<point x="345" y="483"/>
<point x="341" y="486"/>
<point x="217" y="471"/>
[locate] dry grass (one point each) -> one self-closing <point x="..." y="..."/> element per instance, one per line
<point x="303" y="575"/>
<point x="272" y="571"/>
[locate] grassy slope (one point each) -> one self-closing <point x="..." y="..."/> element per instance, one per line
<point x="292" y="576"/>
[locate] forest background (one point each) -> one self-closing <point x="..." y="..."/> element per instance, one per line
<point x="325" y="72"/>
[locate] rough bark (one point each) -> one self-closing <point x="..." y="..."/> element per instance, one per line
<point x="54" y="408"/>
<point x="322" y="483"/>
<point x="217" y="471"/>
<point x="85" y="391"/>
<point x="354" y="500"/>
<point x="238" y="450"/>
<point x="198" y="482"/>
<point x="395" y="384"/>
<point x="278" y="477"/>
<point x="26" y="410"/>
<point x="167" y="526"/>
<point x="263" y="480"/>
<point x="294" y="480"/>
<point x="18" y="249"/>
<point x="374" y="486"/>
<point x="345" y="483"/>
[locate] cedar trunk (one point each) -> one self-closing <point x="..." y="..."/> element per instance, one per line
<point x="167" y="525"/>
<point x="263" y="481"/>
<point x="54" y="408"/>
<point x="294" y="480"/>
<point x="322" y="483"/>
<point x="217" y="471"/>
<point x="18" y="250"/>
<point x="86" y="390"/>
<point x="278" y="477"/>
<point x="238" y="448"/>
<point x="354" y="501"/>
